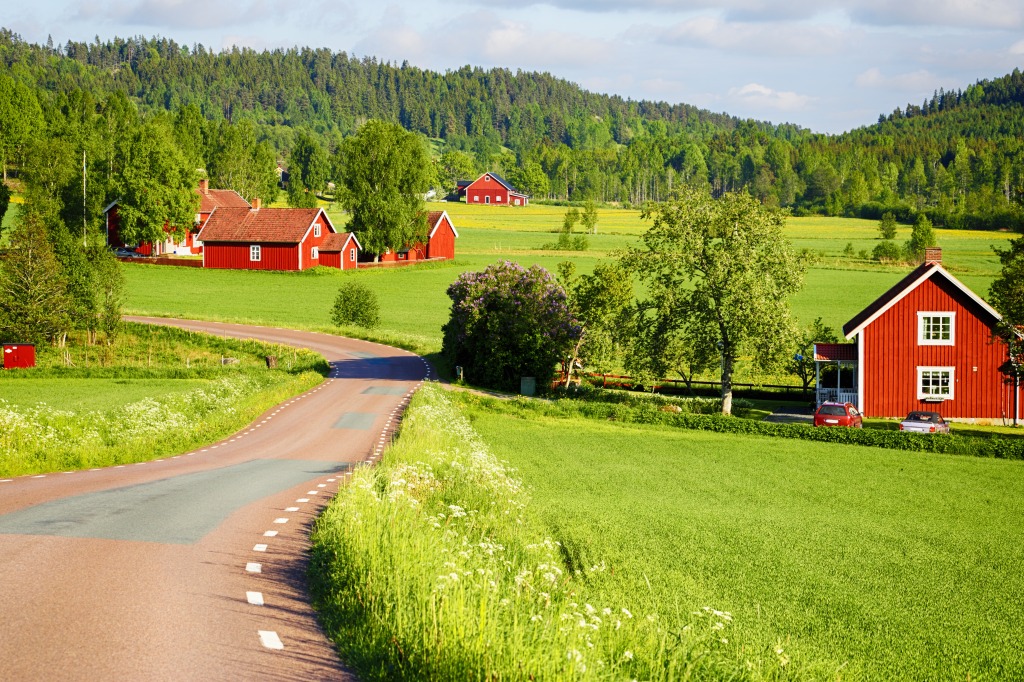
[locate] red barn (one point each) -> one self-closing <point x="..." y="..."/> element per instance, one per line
<point x="491" y="188"/>
<point x="926" y="344"/>
<point x="340" y="250"/>
<point x="440" y="244"/>
<point x="264" y="238"/>
<point x="209" y="199"/>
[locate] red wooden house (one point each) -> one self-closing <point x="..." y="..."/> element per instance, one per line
<point x="209" y="199"/>
<point x="264" y="238"/>
<point x="340" y="250"/>
<point x="928" y="343"/>
<point x="491" y="188"/>
<point x="440" y="242"/>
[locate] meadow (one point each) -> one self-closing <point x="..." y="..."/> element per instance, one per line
<point x="413" y="300"/>
<point x="884" y="565"/>
<point x="154" y="392"/>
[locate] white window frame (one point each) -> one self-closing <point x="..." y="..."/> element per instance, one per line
<point x="476" y="198"/>
<point x="315" y="253"/>
<point x="923" y="316"/>
<point x="497" y="198"/>
<point x="255" y="253"/>
<point x="922" y="395"/>
<point x="316" y="230"/>
<point x="487" y="198"/>
<point x="352" y="254"/>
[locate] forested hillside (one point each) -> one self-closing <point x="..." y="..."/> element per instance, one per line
<point x="957" y="158"/>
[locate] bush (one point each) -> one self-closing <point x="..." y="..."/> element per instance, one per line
<point x="508" y="322"/>
<point x="356" y="304"/>
<point x="887" y="250"/>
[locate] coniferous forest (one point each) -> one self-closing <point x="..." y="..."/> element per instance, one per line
<point x="957" y="157"/>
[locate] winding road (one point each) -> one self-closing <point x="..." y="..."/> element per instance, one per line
<point x="193" y="566"/>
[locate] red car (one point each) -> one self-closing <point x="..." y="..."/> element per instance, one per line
<point x="838" y="414"/>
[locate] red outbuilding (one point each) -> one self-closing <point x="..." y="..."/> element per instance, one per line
<point x="928" y="343"/>
<point x="19" y="356"/>
<point x="491" y="188"/>
<point x="264" y="238"/>
<point x="340" y="250"/>
<point x="440" y="244"/>
<point x="209" y="199"/>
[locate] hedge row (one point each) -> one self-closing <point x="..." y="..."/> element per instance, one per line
<point x="651" y="413"/>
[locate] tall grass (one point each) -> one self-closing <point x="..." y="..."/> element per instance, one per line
<point x="432" y="566"/>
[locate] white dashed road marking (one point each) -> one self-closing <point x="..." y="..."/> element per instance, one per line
<point x="259" y="548"/>
<point x="270" y="534"/>
<point x="282" y="520"/>
<point x="254" y="598"/>
<point x="253" y="567"/>
<point x="291" y="509"/>
<point x="270" y="640"/>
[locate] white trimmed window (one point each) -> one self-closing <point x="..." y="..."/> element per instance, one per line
<point x="497" y="199"/>
<point x="316" y="231"/>
<point x="352" y="254"/>
<point x="476" y="197"/>
<point x="935" y="383"/>
<point x="315" y="253"/>
<point x="254" y="252"/>
<point x="936" y="328"/>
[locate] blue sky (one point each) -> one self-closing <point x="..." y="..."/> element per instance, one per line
<point x="829" y="65"/>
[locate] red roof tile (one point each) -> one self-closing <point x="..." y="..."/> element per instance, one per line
<point x="835" y="352"/>
<point x="276" y="225"/>
<point x="336" y="241"/>
<point x="214" y="198"/>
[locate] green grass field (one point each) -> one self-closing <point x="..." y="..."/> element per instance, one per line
<point x="91" y="394"/>
<point x="889" y="565"/>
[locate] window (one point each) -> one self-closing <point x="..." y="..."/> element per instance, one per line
<point x="476" y="197"/>
<point x="254" y="252"/>
<point x="936" y="329"/>
<point x="487" y="199"/>
<point x="497" y="199"/>
<point x="316" y="231"/>
<point x="352" y="254"/>
<point x="315" y="253"/>
<point x="935" y="383"/>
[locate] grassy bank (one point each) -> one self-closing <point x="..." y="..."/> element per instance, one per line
<point x="893" y="565"/>
<point x="436" y="565"/>
<point x="157" y="391"/>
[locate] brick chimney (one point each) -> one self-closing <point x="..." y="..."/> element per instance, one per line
<point x="204" y="186"/>
<point x="933" y="254"/>
<point x="256" y="204"/>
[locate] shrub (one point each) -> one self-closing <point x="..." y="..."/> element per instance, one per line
<point x="356" y="304"/>
<point x="508" y="322"/>
<point x="887" y="250"/>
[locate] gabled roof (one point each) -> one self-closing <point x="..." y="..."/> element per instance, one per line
<point x="918" y="276"/>
<point x="336" y="242"/>
<point x="214" y="198"/>
<point x="275" y="225"/>
<point x="503" y="182"/>
<point x="434" y="222"/>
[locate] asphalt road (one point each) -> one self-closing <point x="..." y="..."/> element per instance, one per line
<point x="193" y="567"/>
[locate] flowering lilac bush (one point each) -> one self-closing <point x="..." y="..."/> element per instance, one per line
<point x="508" y="322"/>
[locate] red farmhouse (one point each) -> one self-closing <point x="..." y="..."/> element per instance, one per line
<point x="491" y="188"/>
<point x="926" y="344"/>
<point x="264" y="239"/>
<point x="340" y="250"/>
<point x="440" y="242"/>
<point x="209" y="199"/>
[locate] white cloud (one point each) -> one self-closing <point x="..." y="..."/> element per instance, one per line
<point x="757" y="95"/>
<point x="914" y="81"/>
<point x="185" y="14"/>
<point x="1017" y="47"/>
<point x="777" y="38"/>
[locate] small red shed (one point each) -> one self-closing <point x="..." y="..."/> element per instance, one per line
<point x="340" y="250"/>
<point x="440" y="244"/>
<point x="264" y="238"/>
<point x="491" y="188"/>
<point x="929" y="343"/>
<point x="19" y="356"/>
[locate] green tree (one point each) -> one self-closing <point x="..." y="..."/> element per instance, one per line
<point x="32" y="305"/>
<point x="238" y="160"/>
<point x="454" y="165"/>
<point x="802" y="362"/>
<point x="20" y="118"/>
<point x="383" y="175"/>
<point x="1007" y="291"/>
<point x="730" y="271"/>
<point x="156" y="187"/>
<point x="356" y="304"/>
<point x="5" y="203"/>
<point x="308" y="171"/>
<point x="529" y="178"/>
<point x="887" y="226"/>
<point x="601" y="303"/>
<point x="921" y="237"/>
<point x="589" y="217"/>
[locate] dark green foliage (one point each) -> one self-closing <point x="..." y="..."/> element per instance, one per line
<point x="308" y="170"/>
<point x="887" y="251"/>
<point x="567" y="240"/>
<point x="356" y="304"/>
<point x="1007" y="293"/>
<point x="5" y="202"/>
<point x="887" y="226"/>
<point x="506" y="323"/>
<point x="922" y="237"/>
<point x="33" y="290"/>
